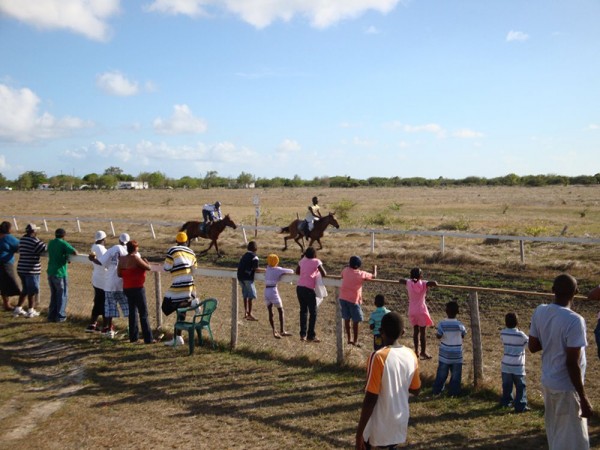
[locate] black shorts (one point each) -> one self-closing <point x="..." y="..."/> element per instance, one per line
<point x="8" y="280"/>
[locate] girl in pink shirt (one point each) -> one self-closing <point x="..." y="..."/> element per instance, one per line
<point x="351" y="296"/>
<point x="418" y="314"/>
<point x="309" y="268"/>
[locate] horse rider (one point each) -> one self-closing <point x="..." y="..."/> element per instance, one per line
<point x="313" y="214"/>
<point x="211" y="212"/>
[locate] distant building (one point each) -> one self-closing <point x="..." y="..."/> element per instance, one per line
<point x="132" y="185"/>
<point x="45" y="187"/>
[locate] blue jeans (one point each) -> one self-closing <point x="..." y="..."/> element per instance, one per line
<point x="520" y="400"/>
<point x="57" y="311"/>
<point x="597" y="334"/>
<point x="442" y="374"/>
<point x="308" y="310"/>
<point x="136" y="297"/>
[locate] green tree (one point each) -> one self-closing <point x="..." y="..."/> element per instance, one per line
<point x="91" y="179"/>
<point x="245" y="179"/>
<point x="3" y="180"/>
<point x="31" y="180"/>
<point x="107" y="182"/>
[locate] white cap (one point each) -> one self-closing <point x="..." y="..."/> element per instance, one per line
<point x="124" y="238"/>
<point x="99" y="235"/>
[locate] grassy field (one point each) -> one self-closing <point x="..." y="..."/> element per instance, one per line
<point x="66" y="389"/>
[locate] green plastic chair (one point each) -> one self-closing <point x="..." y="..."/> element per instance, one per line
<point x="199" y="321"/>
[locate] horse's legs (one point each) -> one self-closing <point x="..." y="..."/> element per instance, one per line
<point x="204" y="252"/>
<point x="217" y="248"/>
<point x="285" y="239"/>
<point x="319" y="241"/>
<point x="297" y="240"/>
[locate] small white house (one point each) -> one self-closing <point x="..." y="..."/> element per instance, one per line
<point x="132" y="185"/>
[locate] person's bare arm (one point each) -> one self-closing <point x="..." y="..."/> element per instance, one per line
<point x="573" y="355"/>
<point x="402" y="281"/>
<point x="365" y="414"/>
<point x="534" y="344"/>
<point x="322" y="270"/>
<point x="142" y="263"/>
<point x="432" y="284"/>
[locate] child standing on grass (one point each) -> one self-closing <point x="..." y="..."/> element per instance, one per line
<point x="451" y="332"/>
<point x="418" y="314"/>
<point x="375" y="321"/>
<point x="245" y="274"/>
<point x="272" y="275"/>
<point x="351" y="296"/>
<point x="513" y="364"/>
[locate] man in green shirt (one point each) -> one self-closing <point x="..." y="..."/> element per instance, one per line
<point x="58" y="258"/>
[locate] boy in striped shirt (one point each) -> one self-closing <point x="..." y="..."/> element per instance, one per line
<point x="451" y="333"/>
<point x="513" y="365"/>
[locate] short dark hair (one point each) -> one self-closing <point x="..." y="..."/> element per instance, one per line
<point x="379" y="300"/>
<point x="564" y="287"/>
<point x="60" y="233"/>
<point x="5" y="227"/>
<point x="252" y="247"/>
<point x="392" y="325"/>
<point x="511" y="320"/>
<point x="452" y="309"/>
<point x="310" y="253"/>
<point x="132" y="247"/>
<point x="416" y="273"/>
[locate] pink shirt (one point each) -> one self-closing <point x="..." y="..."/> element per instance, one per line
<point x="308" y="272"/>
<point x="417" y="290"/>
<point x="352" y="281"/>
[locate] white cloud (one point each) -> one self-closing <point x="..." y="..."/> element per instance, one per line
<point x="465" y="133"/>
<point x="432" y="128"/>
<point x="115" y="83"/>
<point x="86" y="17"/>
<point x="289" y="146"/>
<point x="182" y="121"/>
<point x="3" y="164"/>
<point x="593" y="126"/>
<point x="20" y="120"/>
<point x="518" y="36"/>
<point x="372" y="30"/>
<point x="261" y="13"/>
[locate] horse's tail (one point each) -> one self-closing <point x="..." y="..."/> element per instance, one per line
<point x="285" y="230"/>
<point x="184" y="226"/>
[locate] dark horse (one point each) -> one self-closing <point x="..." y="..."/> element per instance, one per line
<point x="194" y="229"/>
<point x="296" y="231"/>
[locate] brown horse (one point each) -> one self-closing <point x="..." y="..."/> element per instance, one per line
<point x="194" y="229"/>
<point x="315" y="235"/>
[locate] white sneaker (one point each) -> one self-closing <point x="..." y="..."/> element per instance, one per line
<point x="18" y="311"/>
<point x="32" y="313"/>
<point x="177" y="340"/>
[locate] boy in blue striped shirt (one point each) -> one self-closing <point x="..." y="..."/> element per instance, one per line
<point x="451" y="332"/>
<point x="513" y="365"/>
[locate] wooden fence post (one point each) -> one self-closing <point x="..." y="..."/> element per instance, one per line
<point x="339" y="328"/>
<point x="158" y="294"/>
<point x="78" y="225"/>
<point x="443" y="244"/>
<point x="112" y="228"/>
<point x="476" y="338"/>
<point x="152" y="231"/>
<point x="234" y="312"/>
<point x="15" y="223"/>
<point x="46" y="225"/>
<point x="372" y="242"/>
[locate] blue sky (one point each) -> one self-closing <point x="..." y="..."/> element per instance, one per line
<point x="300" y="87"/>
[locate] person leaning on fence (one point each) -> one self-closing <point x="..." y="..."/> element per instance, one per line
<point x="272" y="298"/>
<point x="418" y="314"/>
<point x="99" y="278"/>
<point x="392" y="373"/>
<point x="246" y="268"/>
<point x="513" y="365"/>
<point x="451" y="333"/>
<point x="560" y="334"/>
<point x="375" y="321"/>
<point x="351" y="296"/>
<point x="308" y="269"/>
<point x="114" y="294"/>
<point x="9" y="245"/>
<point x="180" y="262"/>
<point x="59" y="251"/>
<point x="29" y="269"/>
<point x="132" y="269"/>
<point x="595" y="295"/>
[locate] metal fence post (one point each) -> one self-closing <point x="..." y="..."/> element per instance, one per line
<point x="234" y="313"/>
<point x="522" y="250"/>
<point x="476" y="338"/>
<point x="443" y="244"/>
